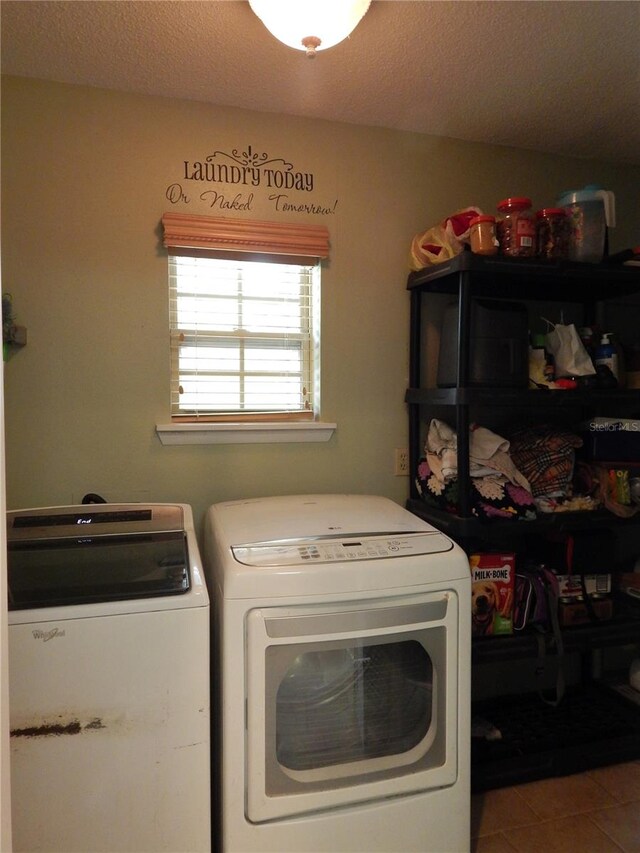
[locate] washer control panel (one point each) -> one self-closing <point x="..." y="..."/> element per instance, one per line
<point x="330" y="550"/>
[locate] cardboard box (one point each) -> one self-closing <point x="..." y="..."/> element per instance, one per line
<point x="493" y="580"/>
<point x="577" y="613"/>
<point x="570" y="585"/>
<point x="623" y="482"/>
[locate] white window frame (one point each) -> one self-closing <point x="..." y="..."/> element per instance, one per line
<point x="236" y="286"/>
<point x="250" y="239"/>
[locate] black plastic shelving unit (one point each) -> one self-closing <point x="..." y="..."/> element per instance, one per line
<point x="622" y="629"/>
<point x="470" y="276"/>
<point x="592" y="727"/>
<point x="537" y="740"/>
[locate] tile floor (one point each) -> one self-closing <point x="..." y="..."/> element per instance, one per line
<point x="593" y="812"/>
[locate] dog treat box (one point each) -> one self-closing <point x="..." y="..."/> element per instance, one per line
<point x="493" y="581"/>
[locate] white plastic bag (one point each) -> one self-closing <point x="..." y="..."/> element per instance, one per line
<point x="571" y="358"/>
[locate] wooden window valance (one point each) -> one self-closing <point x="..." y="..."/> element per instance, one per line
<point x="189" y="231"/>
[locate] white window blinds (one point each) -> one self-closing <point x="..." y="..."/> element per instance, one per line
<point x="243" y="336"/>
<point x="244" y="329"/>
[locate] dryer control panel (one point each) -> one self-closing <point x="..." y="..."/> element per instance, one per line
<point x="340" y="550"/>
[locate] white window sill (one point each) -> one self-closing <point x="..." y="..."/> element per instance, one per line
<point x="242" y="433"/>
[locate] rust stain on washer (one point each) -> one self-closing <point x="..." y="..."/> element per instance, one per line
<point x="74" y="727"/>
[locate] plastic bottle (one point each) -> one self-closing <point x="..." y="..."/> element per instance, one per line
<point x="607" y="354"/>
<point x="622" y="364"/>
<point x="482" y="235"/>
<point x="587" y="338"/>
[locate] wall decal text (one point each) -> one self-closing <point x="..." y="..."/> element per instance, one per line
<point x="246" y="169"/>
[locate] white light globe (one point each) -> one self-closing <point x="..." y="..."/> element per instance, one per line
<point x="310" y="24"/>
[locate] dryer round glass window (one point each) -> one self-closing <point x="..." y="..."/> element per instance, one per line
<point x="351" y="704"/>
<point x="348" y="696"/>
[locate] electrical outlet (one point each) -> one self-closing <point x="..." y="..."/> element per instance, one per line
<point x="401" y="462"/>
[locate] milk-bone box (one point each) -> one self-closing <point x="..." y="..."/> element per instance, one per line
<point x="492" y="588"/>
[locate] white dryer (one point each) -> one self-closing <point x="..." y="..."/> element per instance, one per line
<point x="342" y="627"/>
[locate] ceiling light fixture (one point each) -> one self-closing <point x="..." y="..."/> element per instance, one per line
<point x="310" y="25"/>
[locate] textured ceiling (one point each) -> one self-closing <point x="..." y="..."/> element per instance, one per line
<point x="560" y="77"/>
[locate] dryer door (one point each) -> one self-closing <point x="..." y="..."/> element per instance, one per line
<point x="350" y="702"/>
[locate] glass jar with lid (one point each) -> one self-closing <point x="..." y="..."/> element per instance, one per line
<point x="516" y="227"/>
<point x="552" y="233"/>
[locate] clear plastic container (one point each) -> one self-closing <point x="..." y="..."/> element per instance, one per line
<point x="590" y="211"/>
<point x="552" y="233"/>
<point x="516" y="227"/>
<point x="482" y="235"/>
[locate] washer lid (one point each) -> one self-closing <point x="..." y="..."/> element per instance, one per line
<point x="90" y="569"/>
<point x="61" y="556"/>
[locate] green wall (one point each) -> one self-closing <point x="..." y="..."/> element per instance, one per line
<point x="84" y="179"/>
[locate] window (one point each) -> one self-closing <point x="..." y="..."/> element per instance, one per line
<point x="244" y="324"/>
<point x="244" y="336"/>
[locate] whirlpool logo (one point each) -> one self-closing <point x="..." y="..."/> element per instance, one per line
<point x="45" y="636"/>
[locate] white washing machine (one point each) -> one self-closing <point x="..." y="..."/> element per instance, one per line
<point x="342" y="627"/>
<point x="108" y="680"/>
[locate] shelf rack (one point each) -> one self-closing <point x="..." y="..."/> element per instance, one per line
<point x="568" y="738"/>
<point x="470" y="276"/>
